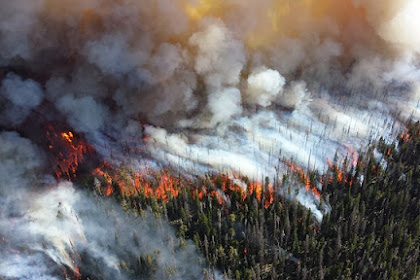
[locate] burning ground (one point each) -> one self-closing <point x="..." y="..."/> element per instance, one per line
<point x="250" y="89"/>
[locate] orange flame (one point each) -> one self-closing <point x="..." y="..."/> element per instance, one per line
<point x="269" y="197"/>
<point x="68" y="136"/>
<point x="255" y="187"/>
<point x="339" y="175"/>
<point x="100" y="173"/>
<point x="164" y="187"/>
<point x="167" y="187"/>
<point x="405" y="136"/>
<point x="309" y="186"/>
<point x="216" y="194"/>
<point x="69" y="152"/>
<point x="77" y="274"/>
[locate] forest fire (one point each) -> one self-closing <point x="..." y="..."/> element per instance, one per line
<point x="98" y="172"/>
<point x="157" y="185"/>
<point x="163" y="186"/>
<point x="167" y="187"/>
<point x="309" y="186"/>
<point x="227" y="105"/>
<point x="339" y="175"/>
<point x="405" y="134"/>
<point x="68" y="152"/>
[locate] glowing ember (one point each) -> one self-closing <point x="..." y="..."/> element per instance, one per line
<point x="68" y="136"/>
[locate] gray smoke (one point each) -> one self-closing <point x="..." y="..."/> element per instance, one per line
<point x="19" y="97"/>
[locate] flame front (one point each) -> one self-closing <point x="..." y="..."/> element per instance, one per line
<point x="163" y="186"/>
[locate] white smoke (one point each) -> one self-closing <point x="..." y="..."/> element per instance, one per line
<point x="224" y="105"/>
<point x="402" y="28"/>
<point x="294" y="96"/>
<point x="264" y="87"/>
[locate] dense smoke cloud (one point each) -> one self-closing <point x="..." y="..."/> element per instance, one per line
<point x="221" y="86"/>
